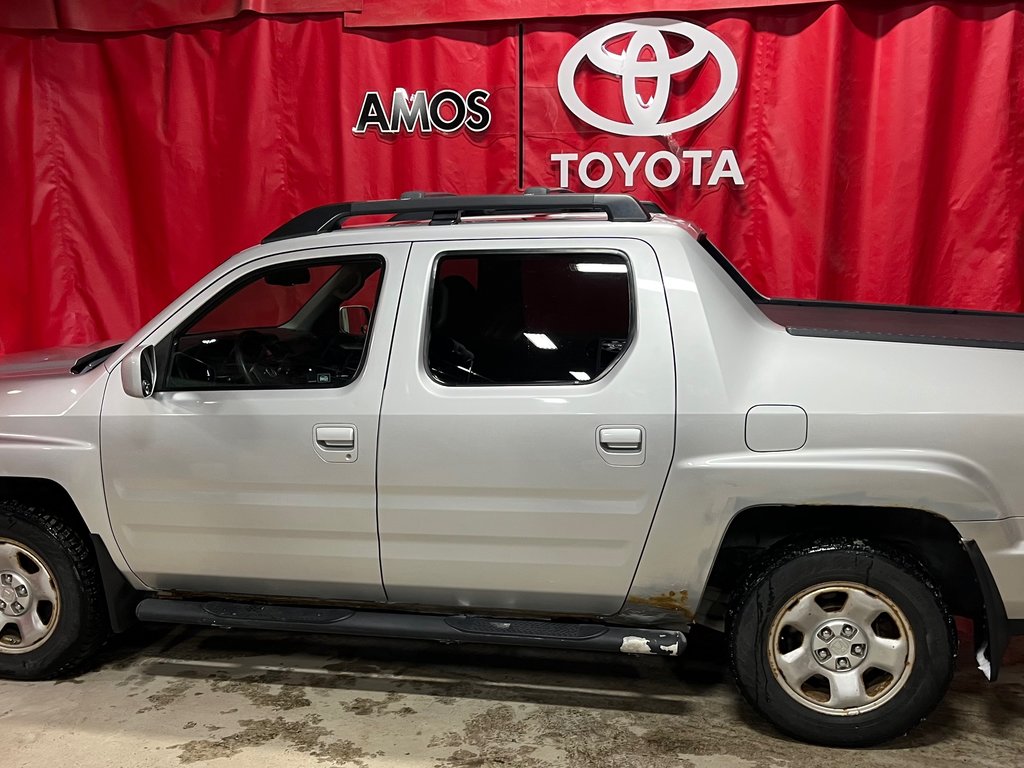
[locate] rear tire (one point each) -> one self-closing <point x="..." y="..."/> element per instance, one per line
<point x="51" y="600"/>
<point x="841" y="643"/>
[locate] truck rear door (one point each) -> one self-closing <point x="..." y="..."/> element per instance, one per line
<point x="527" y="424"/>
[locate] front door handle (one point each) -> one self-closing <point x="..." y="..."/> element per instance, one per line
<point x="336" y="438"/>
<point x="620" y="438"/>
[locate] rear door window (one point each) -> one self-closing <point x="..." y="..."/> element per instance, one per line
<point x="528" y="318"/>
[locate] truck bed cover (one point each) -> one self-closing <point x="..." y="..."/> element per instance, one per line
<point x="880" y="322"/>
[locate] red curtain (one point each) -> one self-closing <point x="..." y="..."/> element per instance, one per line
<point x="138" y="15"/>
<point x="880" y="151"/>
<point x="104" y="16"/>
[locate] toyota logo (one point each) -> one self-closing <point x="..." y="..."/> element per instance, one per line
<point x="646" y="115"/>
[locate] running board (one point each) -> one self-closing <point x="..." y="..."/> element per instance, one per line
<point x="449" y="629"/>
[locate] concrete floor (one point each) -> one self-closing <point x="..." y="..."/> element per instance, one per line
<point x="172" y="696"/>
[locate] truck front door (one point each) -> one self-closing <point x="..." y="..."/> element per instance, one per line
<point x="252" y="467"/>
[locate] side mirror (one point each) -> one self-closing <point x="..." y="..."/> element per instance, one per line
<point x="354" y="319"/>
<point x="138" y="372"/>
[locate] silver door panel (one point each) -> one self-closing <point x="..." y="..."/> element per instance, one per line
<point x="228" y="490"/>
<point x="499" y="497"/>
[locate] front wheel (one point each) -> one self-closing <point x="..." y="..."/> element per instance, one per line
<point x="52" y="616"/>
<point x="842" y="644"/>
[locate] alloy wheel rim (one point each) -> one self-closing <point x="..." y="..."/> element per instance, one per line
<point x="841" y="648"/>
<point x="29" y="600"/>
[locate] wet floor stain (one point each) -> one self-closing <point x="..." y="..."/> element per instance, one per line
<point x="363" y="707"/>
<point x="264" y="691"/>
<point x="338" y="702"/>
<point x="167" y="696"/>
<point x="306" y="736"/>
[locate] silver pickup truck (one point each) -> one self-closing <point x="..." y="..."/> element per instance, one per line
<point x="556" y="420"/>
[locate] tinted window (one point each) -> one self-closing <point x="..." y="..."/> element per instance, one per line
<point x="262" y="304"/>
<point x="290" y="326"/>
<point x="506" y="318"/>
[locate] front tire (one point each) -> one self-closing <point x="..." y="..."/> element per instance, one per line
<point x="842" y="643"/>
<point x="52" y="614"/>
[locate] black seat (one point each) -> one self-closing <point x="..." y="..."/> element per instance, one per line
<point x="453" y="325"/>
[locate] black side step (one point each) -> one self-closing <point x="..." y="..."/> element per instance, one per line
<point x="465" y="629"/>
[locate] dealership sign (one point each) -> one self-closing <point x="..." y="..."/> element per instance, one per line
<point x="650" y="61"/>
<point x="661" y="169"/>
<point x="446" y="111"/>
<point x="647" y="116"/>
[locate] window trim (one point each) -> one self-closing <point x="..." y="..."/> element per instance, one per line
<point x="165" y="347"/>
<point x="532" y="253"/>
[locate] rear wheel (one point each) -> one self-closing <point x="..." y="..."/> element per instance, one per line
<point x="841" y="643"/>
<point x="52" y="615"/>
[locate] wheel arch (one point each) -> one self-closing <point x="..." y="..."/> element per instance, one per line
<point x="927" y="537"/>
<point x="44" y="492"/>
<point x="50" y="495"/>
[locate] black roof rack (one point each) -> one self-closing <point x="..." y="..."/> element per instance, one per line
<point x="449" y="209"/>
<point x="649" y="206"/>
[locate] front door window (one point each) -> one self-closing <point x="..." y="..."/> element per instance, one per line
<point x="290" y="326"/>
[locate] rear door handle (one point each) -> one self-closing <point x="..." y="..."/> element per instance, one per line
<point x="336" y="438"/>
<point x="620" y="438"/>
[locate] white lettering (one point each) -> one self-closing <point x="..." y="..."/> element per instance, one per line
<point x="652" y="165"/>
<point x="698" y="156"/>
<point x="659" y="170"/>
<point x="605" y="176"/>
<point x="726" y="167"/>
<point x="629" y="168"/>
<point x="563" y="167"/>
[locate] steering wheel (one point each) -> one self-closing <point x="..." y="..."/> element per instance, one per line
<point x="249" y="350"/>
